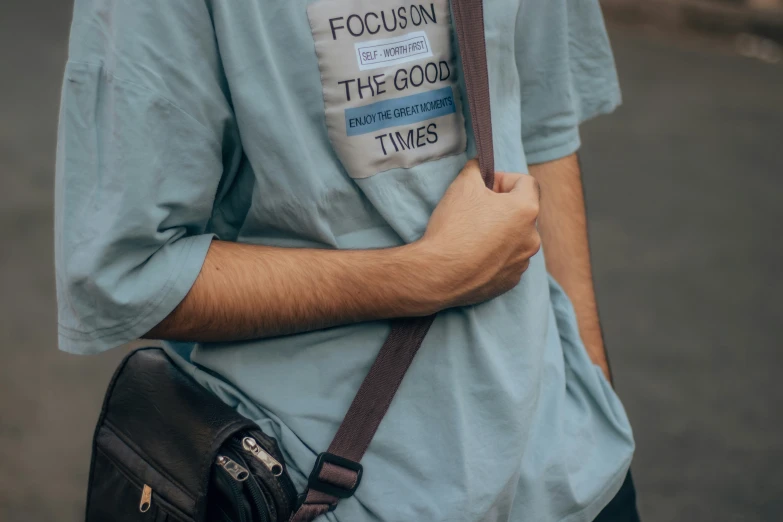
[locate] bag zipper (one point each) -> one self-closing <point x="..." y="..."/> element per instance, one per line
<point x="250" y="444"/>
<point x="235" y="485"/>
<point x="241" y="474"/>
<point x="269" y="446"/>
<point x="146" y="499"/>
<point x="237" y="472"/>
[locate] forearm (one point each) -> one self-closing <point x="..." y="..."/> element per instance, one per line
<point x="563" y="229"/>
<point x="248" y="291"/>
<point x="476" y="246"/>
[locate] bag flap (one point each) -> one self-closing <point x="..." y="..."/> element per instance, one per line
<point x="161" y="416"/>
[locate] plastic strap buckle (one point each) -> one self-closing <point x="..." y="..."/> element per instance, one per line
<point x="315" y="482"/>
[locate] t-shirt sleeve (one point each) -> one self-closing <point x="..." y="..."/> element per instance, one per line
<point x="146" y="134"/>
<point x="566" y="71"/>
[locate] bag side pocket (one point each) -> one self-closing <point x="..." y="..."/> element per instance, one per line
<point x="119" y="497"/>
<point x="126" y="488"/>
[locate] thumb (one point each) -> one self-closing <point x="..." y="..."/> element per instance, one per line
<point x="471" y="173"/>
<point x="471" y="168"/>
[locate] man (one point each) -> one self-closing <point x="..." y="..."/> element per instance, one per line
<point x="264" y="184"/>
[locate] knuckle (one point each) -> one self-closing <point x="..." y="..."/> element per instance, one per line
<point x="535" y="244"/>
<point x="512" y="280"/>
<point x="527" y="213"/>
<point x="522" y="207"/>
<point x="534" y="207"/>
<point x="528" y="203"/>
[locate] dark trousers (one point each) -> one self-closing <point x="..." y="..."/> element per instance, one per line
<point x="622" y="508"/>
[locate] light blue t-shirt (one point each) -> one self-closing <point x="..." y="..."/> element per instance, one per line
<point x="340" y="124"/>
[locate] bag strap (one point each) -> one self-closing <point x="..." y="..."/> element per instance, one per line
<point x="337" y="471"/>
<point x="469" y="22"/>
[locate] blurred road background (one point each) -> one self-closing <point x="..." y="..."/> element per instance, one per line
<point x="685" y="196"/>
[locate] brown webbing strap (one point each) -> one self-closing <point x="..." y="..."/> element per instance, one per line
<point x="337" y="473"/>
<point x="469" y="22"/>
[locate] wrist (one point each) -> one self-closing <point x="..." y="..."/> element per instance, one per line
<point x="423" y="288"/>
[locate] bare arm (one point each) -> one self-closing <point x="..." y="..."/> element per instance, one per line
<point x="247" y="291"/>
<point x="563" y="228"/>
<point x="477" y="245"/>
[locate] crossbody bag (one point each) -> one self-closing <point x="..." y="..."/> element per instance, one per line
<point x="166" y="449"/>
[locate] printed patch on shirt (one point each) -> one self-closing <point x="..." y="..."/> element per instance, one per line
<point x="389" y="82"/>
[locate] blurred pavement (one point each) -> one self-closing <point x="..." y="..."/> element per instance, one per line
<point x="685" y="196"/>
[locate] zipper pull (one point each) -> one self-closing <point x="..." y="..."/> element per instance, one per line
<point x="146" y="499"/>
<point x="238" y="472"/>
<point x="265" y="458"/>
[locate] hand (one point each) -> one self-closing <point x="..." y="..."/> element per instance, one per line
<point x="481" y="240"/>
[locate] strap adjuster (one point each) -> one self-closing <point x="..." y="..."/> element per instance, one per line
<point x="315" y="482"/>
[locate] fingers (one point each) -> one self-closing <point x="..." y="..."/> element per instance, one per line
<point x="528" y="185"/>
<point x="505" y="182"/>
<point x="526" y="197"/>
<point x="521" y="184"/>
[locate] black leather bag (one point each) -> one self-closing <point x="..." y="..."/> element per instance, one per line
<point x="166" y="449"/>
